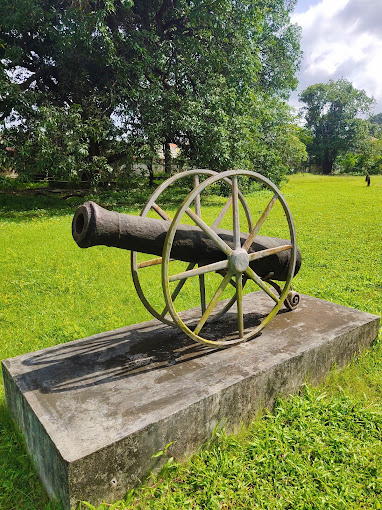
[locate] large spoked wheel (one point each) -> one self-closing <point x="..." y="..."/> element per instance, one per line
<point x="235" y="267"/>
<point x="138" y="267"/>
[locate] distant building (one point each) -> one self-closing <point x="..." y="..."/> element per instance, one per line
<point x="174" y="149"/>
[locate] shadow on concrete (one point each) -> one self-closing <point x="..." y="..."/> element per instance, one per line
<point x="122" y="353"/>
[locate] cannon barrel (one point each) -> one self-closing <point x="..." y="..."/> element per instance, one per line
<point x="93" y="225"/>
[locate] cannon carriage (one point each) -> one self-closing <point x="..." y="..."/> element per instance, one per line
<point x="238" y="254"/>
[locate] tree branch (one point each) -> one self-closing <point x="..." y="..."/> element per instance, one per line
<point x="166" y="5"/>
<point x="34" y="77"/>
<point x="117" y="157"/>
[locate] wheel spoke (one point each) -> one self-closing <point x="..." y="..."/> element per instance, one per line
<point x="223" y="273"/>
<point x="230" y="302"/>
<point x="222" y="213"/>
<point x="270" y="251"/>
<point x="202" y="291"/>
<point x="215" y="266"/>
<point x="177" y="289"/>
<point x="235" y="214"/>
<point x="161" y="212"/>
<point x="232" y="281"/>
<point x="149" y="263"/>
<point x="213" y="302"/>
<point x="251" y="273"/>
<point x="210" y="233"/>
<point x="152" y="262"/>
<point x="202" y="286"/>
<point x="198" y="209"/>
<point x="239" y="300"/>
<point x="258" y="225"/>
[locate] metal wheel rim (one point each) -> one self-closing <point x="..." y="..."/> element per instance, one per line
<point x="167" y="250"/>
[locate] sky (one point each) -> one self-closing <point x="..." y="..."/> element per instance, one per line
<point x="341" y="39"/>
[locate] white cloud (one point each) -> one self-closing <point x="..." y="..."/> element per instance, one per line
<point x="342" y="39"/>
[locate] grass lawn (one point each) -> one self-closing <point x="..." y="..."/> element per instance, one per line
<point x="320" y="449"/>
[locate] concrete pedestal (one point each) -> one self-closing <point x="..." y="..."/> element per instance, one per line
<point x="95" y="410"/>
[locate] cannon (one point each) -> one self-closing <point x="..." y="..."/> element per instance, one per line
<point x="237" y="255"/>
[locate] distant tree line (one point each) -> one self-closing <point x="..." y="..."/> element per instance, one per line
<point x="87" y="88"/>
<point x="339" y="133"/>
<point x="90" y="86"/>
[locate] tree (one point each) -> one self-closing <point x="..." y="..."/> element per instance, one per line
<point x="118" y="75"/>
<point x="331" y="113"/>
<point x="204" y="77"/>
<point x="376" y="119"/>
<point x="376" y="125"/>
<point x="59" y="86"/>
<point x="367" y="160"/>
<point x="263" y="138"/>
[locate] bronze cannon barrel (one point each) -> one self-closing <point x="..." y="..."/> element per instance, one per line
<point x="93" y="225"/>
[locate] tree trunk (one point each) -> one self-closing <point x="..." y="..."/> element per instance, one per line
<point x="327" y="165"/>
<point x="94" y="150"/>
<point x="151" y="172"/>
<point x="167" y="158"/>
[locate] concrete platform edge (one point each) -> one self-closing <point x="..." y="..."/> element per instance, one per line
<point x="51" y="467"/>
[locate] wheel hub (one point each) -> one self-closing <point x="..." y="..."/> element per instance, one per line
<point x="239" y="260"/>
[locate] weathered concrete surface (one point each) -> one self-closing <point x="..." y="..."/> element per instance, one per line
<point x="95" y="410"/>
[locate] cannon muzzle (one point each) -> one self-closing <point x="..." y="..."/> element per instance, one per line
<point x="93" y="225"/>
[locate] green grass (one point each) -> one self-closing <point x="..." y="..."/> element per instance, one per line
<point x="314" y="451"/>
<point x="320" y="449"/>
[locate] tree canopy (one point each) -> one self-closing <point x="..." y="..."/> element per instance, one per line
<point x="367" y="157"/>
<point x="332" y="114"/>
<point x="376" y="125"/>
<point x="84" y="84"/>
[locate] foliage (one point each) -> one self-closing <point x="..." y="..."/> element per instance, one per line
<point x="116" y="77"/>
<point x="322" y="448"/>
<point x="375" y="164"/>
<point x="57" y="143"/>
<point x="263" y="139"/>
<point x="331" y="115"/>
<point x="376" y="125"/>
<point x="367" y="160"/>
<point x="376" y="119"/>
